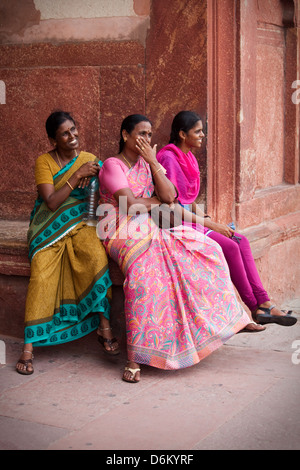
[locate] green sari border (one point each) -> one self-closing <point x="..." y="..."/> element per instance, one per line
<point x="77" y="331"/>
<point x="72" y="320"/>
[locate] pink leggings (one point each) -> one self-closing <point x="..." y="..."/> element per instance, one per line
<point x="243" y="271"/>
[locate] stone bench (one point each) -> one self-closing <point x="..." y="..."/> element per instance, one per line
<point x="265" y="240"/>
<point x="15" y="273"/>
<point x="14" y="252"/>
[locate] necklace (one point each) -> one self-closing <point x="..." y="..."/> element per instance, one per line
<point x="129" y="164"/>
<point x="58" y="160"/>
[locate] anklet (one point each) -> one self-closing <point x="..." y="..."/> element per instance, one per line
<point x="28" y="352"/>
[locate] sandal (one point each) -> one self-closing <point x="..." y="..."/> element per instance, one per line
<point x="25" y="362"/>
<point x="252" y="330"/>
<point x="133" y="374"/>
<point x="109" y="342"/>
<point x="267" y="317"/>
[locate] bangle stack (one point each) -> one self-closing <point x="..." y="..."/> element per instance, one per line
<point x="161" y="168"/>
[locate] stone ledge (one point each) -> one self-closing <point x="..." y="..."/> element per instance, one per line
<point x="14" y="252"/>
<point x="274" y="203"/>
<point x="269" y="233"/>
<point x="15" y="268"/>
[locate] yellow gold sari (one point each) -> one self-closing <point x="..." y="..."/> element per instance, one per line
<point x="69" y="283"/>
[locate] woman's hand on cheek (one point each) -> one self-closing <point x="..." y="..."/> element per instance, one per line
<point x="145" y="149"/>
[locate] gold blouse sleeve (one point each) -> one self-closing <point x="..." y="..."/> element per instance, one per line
<point x="45" y="169"/>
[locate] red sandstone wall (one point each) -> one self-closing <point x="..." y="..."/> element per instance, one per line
<point x="98" y="83"/>
<point x="176" y="67"/>
<point x="268" y="152"/>
<point x="92" y="67"/>
<point x="270" y="86"/>
<point x="267" y="193"/>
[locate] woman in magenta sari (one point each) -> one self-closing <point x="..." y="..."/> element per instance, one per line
<point x="182" y="169"/>
<point x="180" y="303"/>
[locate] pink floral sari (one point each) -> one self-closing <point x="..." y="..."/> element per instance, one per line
<point x="180" y="303"/>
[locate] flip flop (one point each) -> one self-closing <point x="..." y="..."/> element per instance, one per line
<point x="25" y="362"/>
<point x="109" y="342"/>
<point x="267" y="317"/>
<point x="133" y="373"/>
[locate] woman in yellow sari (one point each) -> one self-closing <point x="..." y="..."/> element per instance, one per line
<point x="70" y="288"/>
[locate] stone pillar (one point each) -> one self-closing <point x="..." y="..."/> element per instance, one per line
<point x="292" y="96"/>
<point x="253" y="132"/>
<point x="222" y="112"/>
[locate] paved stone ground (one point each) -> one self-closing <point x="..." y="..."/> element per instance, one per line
<point x="244" y="396"/>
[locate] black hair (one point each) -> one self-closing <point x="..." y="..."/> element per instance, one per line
<point x="129" y="124"/>
<point x="183" y="121"/>
<point x="55" y="120"/>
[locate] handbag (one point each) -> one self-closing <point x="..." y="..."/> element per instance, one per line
<point x="166" y="217"/>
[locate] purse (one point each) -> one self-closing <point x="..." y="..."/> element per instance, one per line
<point x="165" y="216"/>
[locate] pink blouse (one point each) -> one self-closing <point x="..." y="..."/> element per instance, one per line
<point x="114" y="177"/>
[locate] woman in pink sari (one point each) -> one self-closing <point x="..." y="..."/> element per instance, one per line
<point x="180" y="303"/>
<point x="182" y="169"/>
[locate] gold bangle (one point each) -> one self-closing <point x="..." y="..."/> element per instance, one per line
<point x="157" y="171"/>
<point x="70" y="186"/>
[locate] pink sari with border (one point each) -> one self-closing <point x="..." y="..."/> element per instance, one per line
<point x="180" y="303"/>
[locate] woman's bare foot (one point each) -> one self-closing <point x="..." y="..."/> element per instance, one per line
<point x="24" y="364"/>
<point x="252" y="327"/>
<point x="132" y="372"/>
